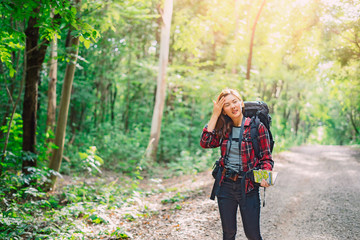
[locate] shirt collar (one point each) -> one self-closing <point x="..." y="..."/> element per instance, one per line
<point x="247" y="122"/>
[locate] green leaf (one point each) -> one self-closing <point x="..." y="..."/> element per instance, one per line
<point x="12" y="72"/>
<point x="73" y="10"/>
<point x="87" y="44"/>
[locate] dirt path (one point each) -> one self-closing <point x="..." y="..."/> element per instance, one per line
<point x="317" y="196"/>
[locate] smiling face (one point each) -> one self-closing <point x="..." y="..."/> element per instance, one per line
<point x="232" y="107"/>
<point x="232" y="111"/>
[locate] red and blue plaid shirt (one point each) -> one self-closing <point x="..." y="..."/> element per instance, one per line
<point x="249" y="160"/>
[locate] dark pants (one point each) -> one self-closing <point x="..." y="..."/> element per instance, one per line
<point x="229" y="199"/>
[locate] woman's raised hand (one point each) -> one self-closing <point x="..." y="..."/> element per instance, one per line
<point x="216" y="113"/>
<point x="218" y="106"/>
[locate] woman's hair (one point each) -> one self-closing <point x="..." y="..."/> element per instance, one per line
<point x="224" y="122"/>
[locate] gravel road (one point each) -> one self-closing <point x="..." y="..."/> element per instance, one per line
<point x="316" y="196"/>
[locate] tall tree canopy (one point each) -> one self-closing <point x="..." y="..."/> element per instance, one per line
<point x="304" y="64"/>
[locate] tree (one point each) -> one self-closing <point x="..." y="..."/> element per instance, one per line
<point x="252" y="41"/>
<point x="161" y="79"/>
<point x="56" y="158"/>
<point x="35" y="55"/>
<point x="51" y="110"/>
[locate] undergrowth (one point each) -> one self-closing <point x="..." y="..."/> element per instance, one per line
<point x="30" y="213"/>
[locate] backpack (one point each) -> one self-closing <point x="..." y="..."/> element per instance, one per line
<point x="258" y="112"/>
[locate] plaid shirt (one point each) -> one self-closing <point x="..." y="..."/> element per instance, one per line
<point x="249" y="160"/>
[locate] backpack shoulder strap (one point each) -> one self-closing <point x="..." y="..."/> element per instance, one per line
<point x="272" y="142"/>
<point x="254" y="133"/>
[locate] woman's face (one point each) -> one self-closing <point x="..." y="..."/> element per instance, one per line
<point x="232" y="107"/>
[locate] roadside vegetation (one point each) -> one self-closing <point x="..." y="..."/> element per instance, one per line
<point x="83" y="74"/>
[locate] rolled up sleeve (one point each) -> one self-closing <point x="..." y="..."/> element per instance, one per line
<point x="209" y="139"/>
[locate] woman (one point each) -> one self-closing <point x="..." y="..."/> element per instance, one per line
<point x="229" y="129"/>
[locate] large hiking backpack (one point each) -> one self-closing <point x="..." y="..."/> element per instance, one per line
<point x="258" y="112"/>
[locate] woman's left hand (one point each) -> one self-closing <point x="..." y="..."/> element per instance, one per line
<point x="264" y="183"/>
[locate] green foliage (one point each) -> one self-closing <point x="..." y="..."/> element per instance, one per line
<point x="15" y="135"/>
<point x="189" y="163"/>
<point x="90" y="160"/>
<point x="14" y="156"/>
<point x="178" y="197"/>
<point x="128" y="217"/>
<point x="119" y="233"/>
<point x="178" y="207"/>
<point x="94" y="218"/>
<point x="30" y="212"/>
<point x="9" y="42"/>
<point x="304" y="65"/>
<point x="116" y="148"/>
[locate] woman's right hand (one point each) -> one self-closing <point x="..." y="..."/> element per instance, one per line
<point x="218" y="106"/>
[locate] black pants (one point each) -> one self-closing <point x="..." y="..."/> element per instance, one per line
<point x="229" y="199"/>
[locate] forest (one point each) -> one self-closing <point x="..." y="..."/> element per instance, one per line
<point x="90" y="89"/>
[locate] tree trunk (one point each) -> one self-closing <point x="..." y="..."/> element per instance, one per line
<point x="161" y="81"/>
<point x="353" y="121"/>
<point x="213" y="51"/>
<point x="297" y="120"/>
<point x="103" y="99"/>
<point x="51" y="110"/>
<point x="96" y="103"/>
<point x="192" y="120"/>
<point x="286" y="114"/>
<point x="297" y="113"/>
<point x="252" y="41"/>
<point x="236" y="31"/>
<point x="158" y="34"/>
<point x="113" y="94"/>
<point x="128" y="86"/>
<point x="73" y="119"/>
<point x="57" y="155"/>
<point x="35" y="57"/>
